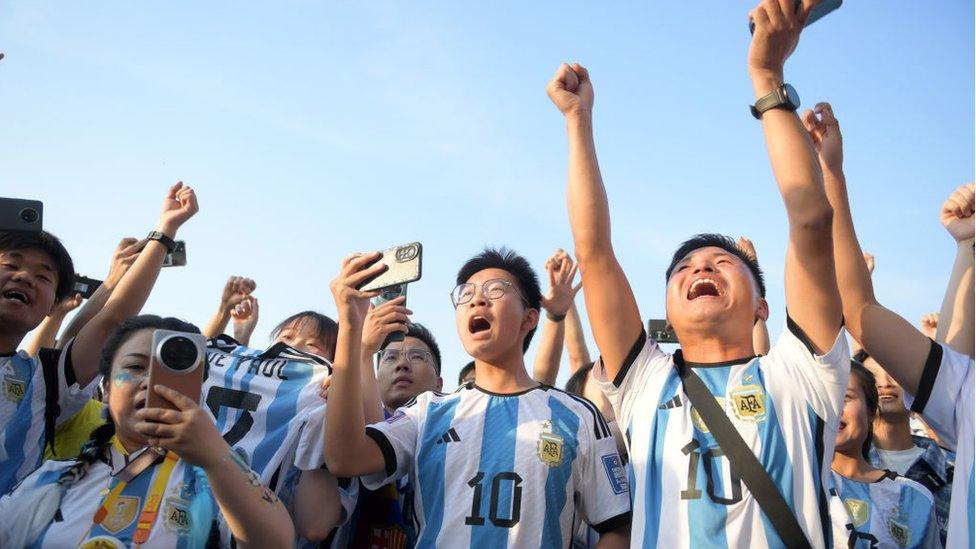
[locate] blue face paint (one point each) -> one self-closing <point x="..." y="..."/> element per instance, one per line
<point x="123" y="377"/>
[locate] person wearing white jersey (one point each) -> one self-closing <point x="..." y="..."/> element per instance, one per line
<point x="785" y="405"/>
<point x="501" y="462"/>
<point x="883" y="508"/>
<point x="41" y="392"/>
<point x="937" y="377"/>
<point x="149" y="477"/>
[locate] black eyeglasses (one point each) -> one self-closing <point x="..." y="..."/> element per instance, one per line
<point x="414" y="355"/>
<point x="492" y="289"/>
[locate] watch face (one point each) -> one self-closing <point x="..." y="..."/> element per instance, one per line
<point x="792" y="95"/>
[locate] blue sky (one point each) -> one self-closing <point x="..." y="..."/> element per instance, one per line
<point x="312" y="129"/>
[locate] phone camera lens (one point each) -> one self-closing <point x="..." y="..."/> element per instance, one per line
<point x="29" y="215"/>
<point x="179" y="353"/>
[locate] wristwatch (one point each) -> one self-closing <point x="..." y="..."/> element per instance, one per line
<point x="783" y="97"/>
<point x="162" y="239"/>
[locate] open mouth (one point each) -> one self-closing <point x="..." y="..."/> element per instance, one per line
<point x="16" y="295"/>
<point x="703" y="287"/>
<point x="478" y="324"/>
<point x="843" y="425"/>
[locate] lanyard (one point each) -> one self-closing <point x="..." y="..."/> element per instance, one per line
<point x="131" y="471"/>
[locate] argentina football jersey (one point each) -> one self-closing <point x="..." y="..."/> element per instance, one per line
<point x="945" y="400"/>
<point x="785" y="405"/>
<point x="891" y="512"/>
<point x="503" y="470"/>
<point x="22" y="408"/>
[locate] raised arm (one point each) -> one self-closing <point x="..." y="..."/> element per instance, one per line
<point x="128" y="298"/>
<point x="235" y="290"/>
<point x="887" y="337"/>
<point x="575" y="340"/>
<point x="47" y="332"/>
<point x="125" y="255"/>
<point x="348" y="450"/>
<point x="556" y="302"/>
<point x="956" y="325"/>
<point x="812" y="298"/>
<point x="610" y="304"/>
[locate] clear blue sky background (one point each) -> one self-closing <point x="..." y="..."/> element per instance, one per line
<point x="312" y="129"/>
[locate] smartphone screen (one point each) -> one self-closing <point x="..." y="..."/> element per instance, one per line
<point x="386" y="295"/>
<point x="176" y="258"/>
<point x="178" y="362"/>
<point x="86" y="286"/>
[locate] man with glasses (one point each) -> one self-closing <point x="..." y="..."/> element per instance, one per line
<point x="404" y="369"/>
<point x="503" y="461"/>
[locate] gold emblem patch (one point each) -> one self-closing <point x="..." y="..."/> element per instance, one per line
<point x="14" y="389"/>
<point x="177" y="514"/>
<point x="550" y="448"/>
<point x="858" y="509"/>
<point x="749" y="403"/>
<point x="899" y="532"/>
<point x="103" y="542"/>
<point x="122" y="513"/>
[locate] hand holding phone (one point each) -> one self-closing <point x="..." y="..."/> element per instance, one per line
<point x="387" y="295"/>
<point x="403" y="266"/>
<point x="178" y="362"/>
<point x="86" y="286"/>
<point x="817" y="13"/>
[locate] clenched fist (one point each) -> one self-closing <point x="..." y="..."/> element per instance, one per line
<point x="957" y="213"/>
<point x="571" y="91"/>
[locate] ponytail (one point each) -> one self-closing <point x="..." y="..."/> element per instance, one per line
<point x="34" y="510"/>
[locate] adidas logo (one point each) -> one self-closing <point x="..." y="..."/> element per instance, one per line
<point x="673" y="403"/>
<point x="450" y="436"/>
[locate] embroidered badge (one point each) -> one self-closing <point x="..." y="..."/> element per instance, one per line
<point x="550" y="446"/>
<point x="14" y="389"/>
<point x="177" y="515"/>
<point x="899" y="532"/>
<point x="103" y="542"/>
<point x="749" y="403"/>
<point x="858" y="509"/>
<point x="122" y="513"/>
<point x="615" y="472"/>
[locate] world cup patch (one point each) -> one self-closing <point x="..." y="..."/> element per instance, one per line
<point x="615" y="473"/>
<point x="550" y="449"/>
<point x="122" y="513"/>
<point x="749" y="403"/>
<point x="858" y="509"/>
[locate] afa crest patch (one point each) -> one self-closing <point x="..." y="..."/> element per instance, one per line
<point x="900" y="533"/>
<point x="177" y="515"/>
<point x="615" y="473"/>
<point x="550" y="449"/>
<point x="14" y="389"/>
<point x="749" y="403"/>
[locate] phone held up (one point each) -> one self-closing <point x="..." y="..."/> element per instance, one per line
<point x="86" y="286"/>
<point x="17" y="214"/>
<point x="657" y="329"/>
<point x="386" y="295"/>
<point x="178" y="362"/>
<point x="820" y="10"/>
<point x="403" y="266"/>
<point x="176" y="258"/>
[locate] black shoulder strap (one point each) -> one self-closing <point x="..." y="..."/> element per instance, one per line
<point x="48" y="359"/>
<point x="743" y="461"/>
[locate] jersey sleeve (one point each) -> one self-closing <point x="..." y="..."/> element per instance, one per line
<point x="604" y="489"/>
<point x="397" y="438"/>
<point x="310" y="453"/>
<point x="820" y="379"/>
<point x="625" y="391"/>
<point x="945" y="392"/>
<point x="72" y="397"/>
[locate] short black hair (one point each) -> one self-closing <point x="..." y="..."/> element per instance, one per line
<point x="326" y="329"/>
<point x="421" y="332"/>
<point x="577" y="382"/>
<point x="49" y="244"/>
<point x="514" y="264"/>
<point x="707" y="240"/>
<point x="467" y="369"/>
<point x="121" y="333"/>
<point x="869" y="386"/>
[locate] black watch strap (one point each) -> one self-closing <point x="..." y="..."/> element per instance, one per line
<point x="162" y="239"/>
<point x="780" y="98"/>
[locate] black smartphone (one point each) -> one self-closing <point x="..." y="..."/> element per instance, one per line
<point x="657" y="329"/>
<point x="403" y="266"/>
<point x="822" y="9"/>
<point x="176" y="258"/>
<point x="17" y="214"/>
<point x="86" y="286"/>
<point x="389" y="294"/>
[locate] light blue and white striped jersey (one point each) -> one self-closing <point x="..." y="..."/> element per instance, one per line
<point x="22" y="409"/>
<point x="892" y="512"/>
<point x="185" y="515"/>
<point x="786" y="406"/>
<point x="945" y="400"/>
<point x="494" y="470"/>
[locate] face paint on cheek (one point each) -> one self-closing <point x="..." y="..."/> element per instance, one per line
<point x="122" y="378"/>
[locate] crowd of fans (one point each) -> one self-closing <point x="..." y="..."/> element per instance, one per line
<point x="341" y="433"/>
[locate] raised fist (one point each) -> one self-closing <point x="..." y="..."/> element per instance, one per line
<point x="929" y="324"/>
<point x="824" y="130"/>
<point x="179" y="205"/>
<point x="571" y="91"/>
<point x="235" y="291"/>
<point x="957" y="213"/>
